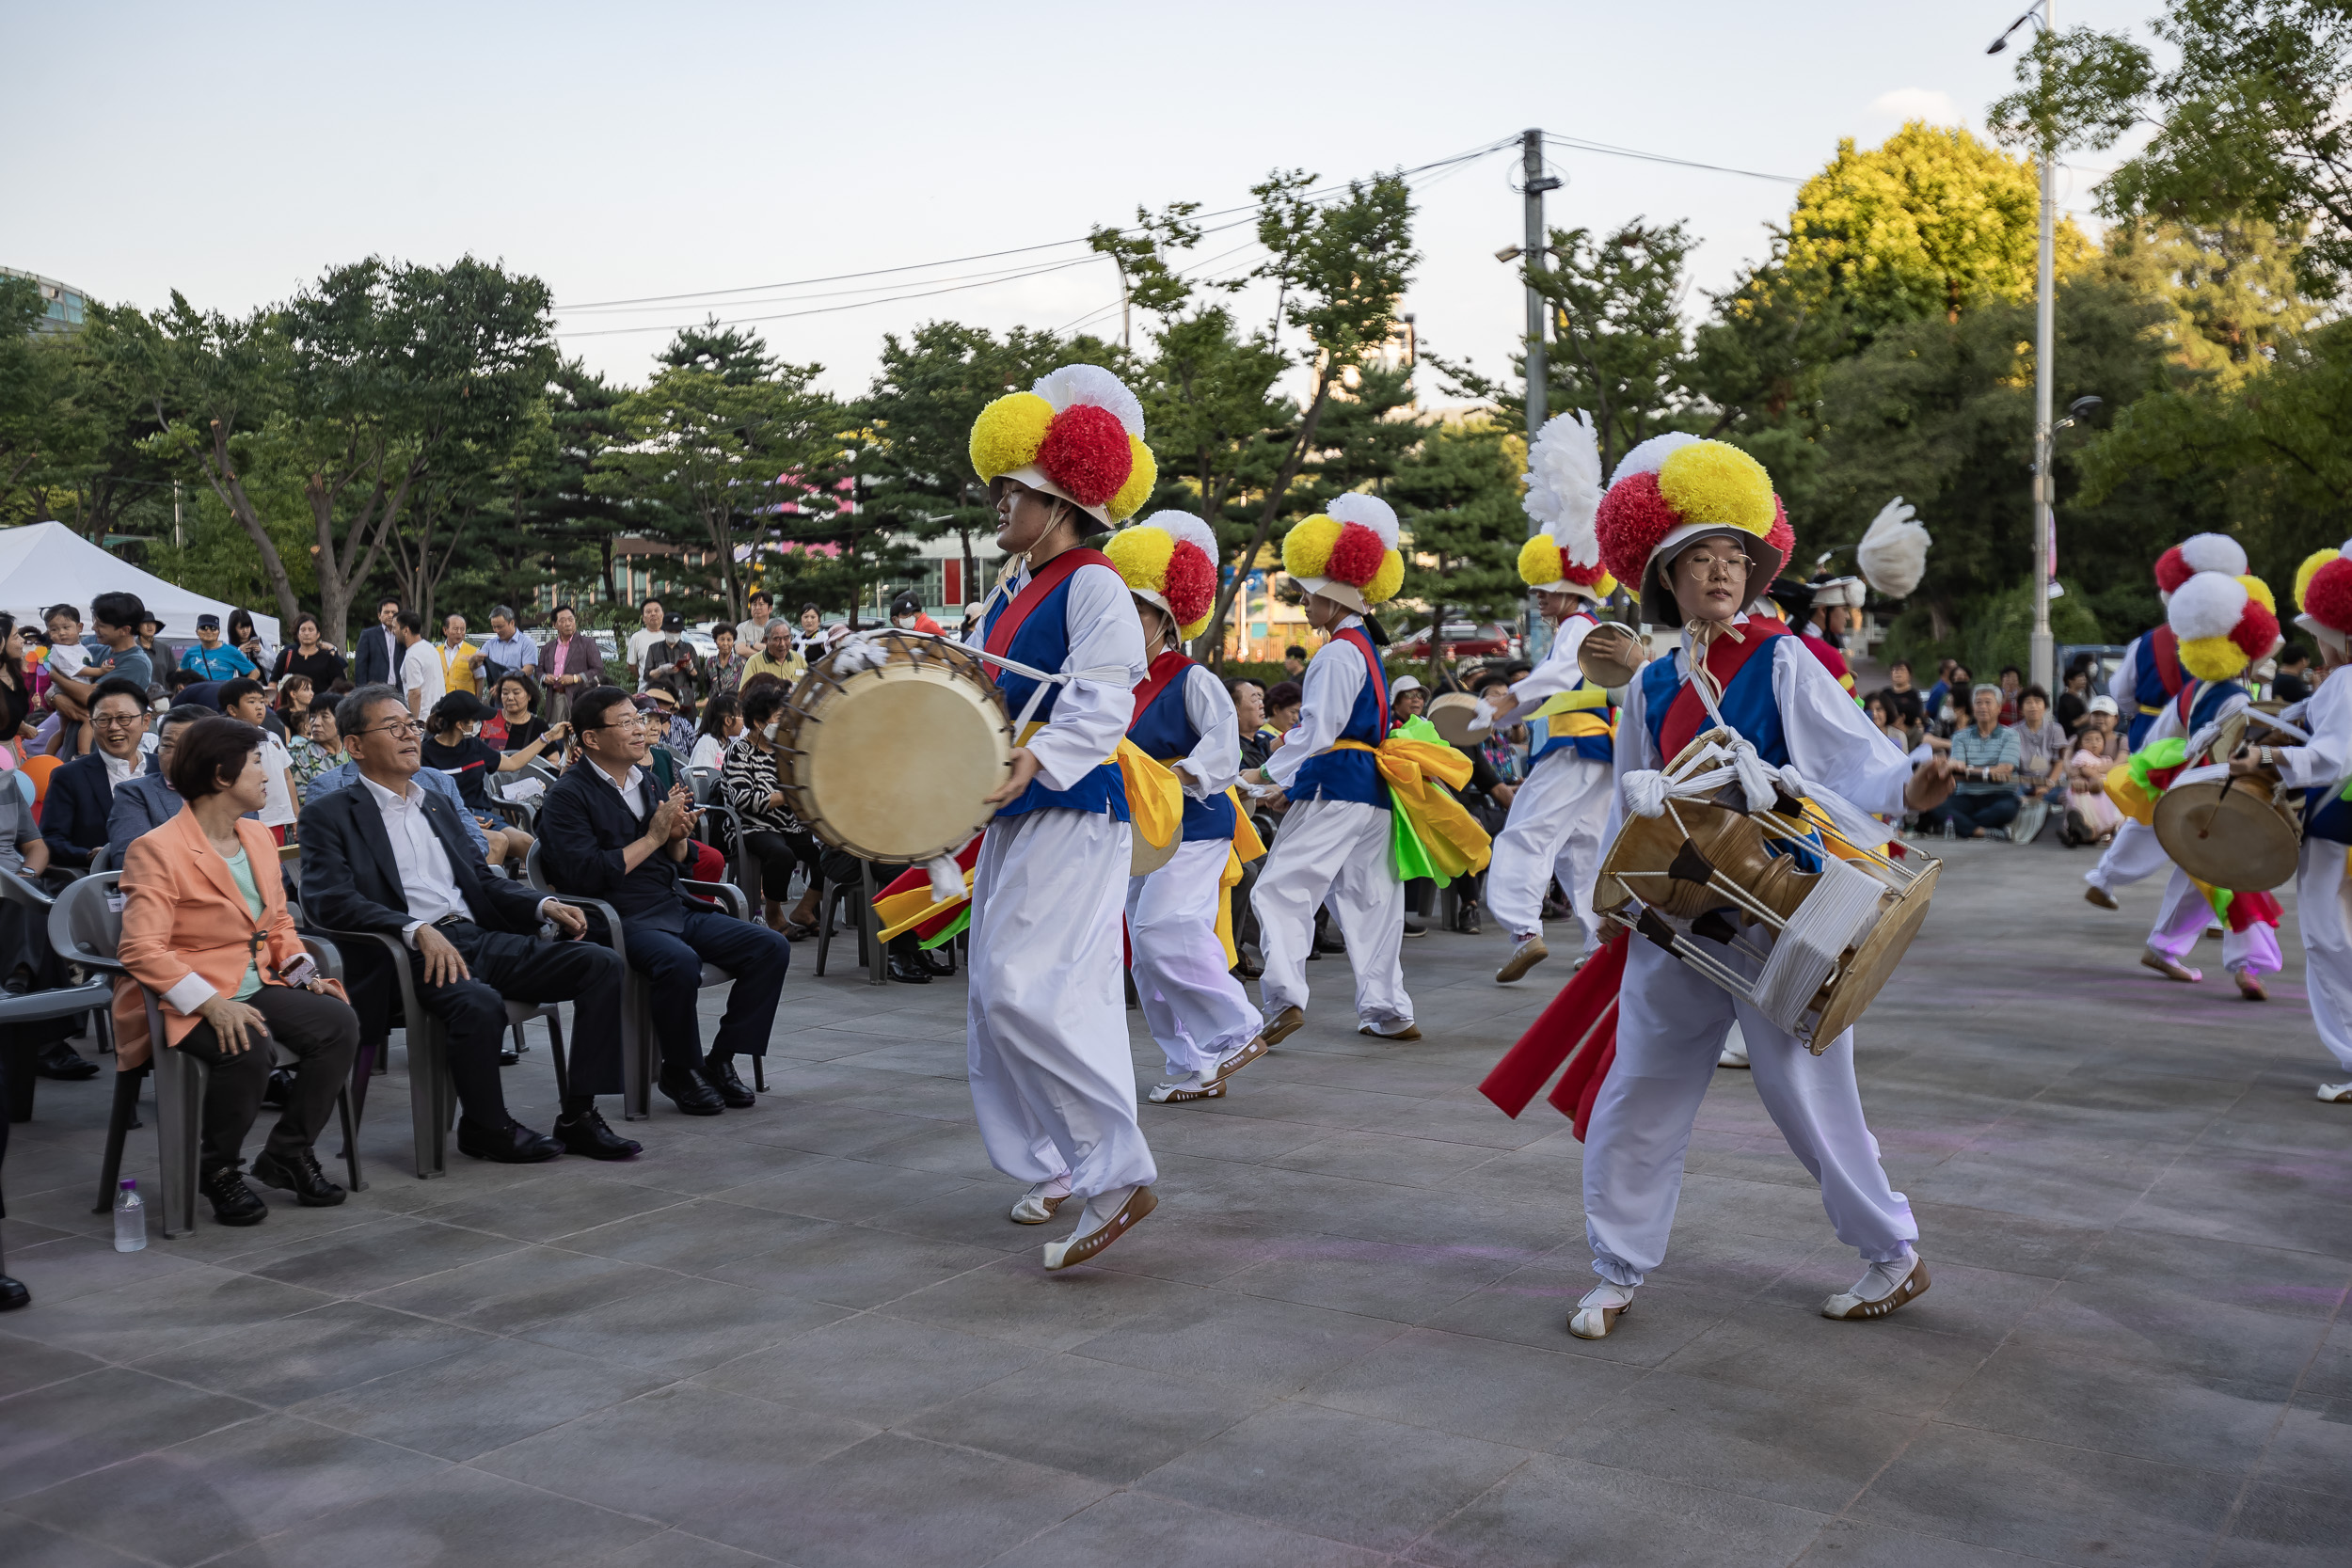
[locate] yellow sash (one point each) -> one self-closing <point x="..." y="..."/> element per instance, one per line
<point x="1155" y="801"/>
<point x="1454" y="842"/>
<point x="1248" y="846"/>
<point x="2131" y="800"/>
<point x="1583" y="711"/>
<point x="903" y="912"/>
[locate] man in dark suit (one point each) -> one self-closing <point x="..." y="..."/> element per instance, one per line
<point x="81" y="794"/>
<point x="385" y="855"/>
<point x="375" y="657"/>
<point x="148" y="801"/>
<point x="606" y="832"/>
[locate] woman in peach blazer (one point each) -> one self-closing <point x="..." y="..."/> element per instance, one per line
<point x="205" y="927"/>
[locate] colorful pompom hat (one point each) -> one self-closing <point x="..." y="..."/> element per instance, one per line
<point x="1563" y="491"/>
<point x="2198" y="552"/>
<point x="1169" y="561"/>
<point x="1674" y="489"/>
<point x="2224" y="622"/>
<point x="1347" y="553"/>
<point x="2323" y="592"/>
<point x="1077" y="434"/>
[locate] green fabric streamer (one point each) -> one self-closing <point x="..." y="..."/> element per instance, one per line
<point x="2168" y="752"/>
<point x="1405" y="850"/>
<point x="949" y="932"/>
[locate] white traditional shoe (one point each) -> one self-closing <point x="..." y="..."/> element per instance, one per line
<point x="1240" y="1057"/>
<point x="1526" y="956"/>
<point x="1191" y="1086"/>
<point x="1394" y="1029"/>
<point x="1038" y="1204"/>
<point x="1283" y="1025"/>
<point x="2250" y="985"/>
<point x="1107" y="1217"/>
<point x="1735" y="1050"/>
<point x="2100" y="897"/>
<point x="1599" y="1312"/>
<point x="2335" y="1094"/>
<point x="1880" y="1289"/>
<point x="2171" y="968"/>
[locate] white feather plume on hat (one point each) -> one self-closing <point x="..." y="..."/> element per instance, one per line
<point x="1893" y="554"/>
<point x="1564" y="486"/>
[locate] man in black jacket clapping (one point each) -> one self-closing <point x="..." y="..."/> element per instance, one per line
<point x="607" y="832"/>
<point x="387" y="856"/>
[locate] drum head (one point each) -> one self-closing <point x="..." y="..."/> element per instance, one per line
<point x="1145" y="857"/>
<point x="1874" y="959"/>
<point x="900" y="764"/>
<point x="2237" y="840"/>
<point x="1611" y="654"/>
<point x="1451" y="714"/>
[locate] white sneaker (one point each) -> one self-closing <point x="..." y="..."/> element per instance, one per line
<point x="1038" y="1204"/>
<point x="1883" y="1287"/>
<point x="2335" y="1094"/>
<point x="1735" y="1052"/>
<point x="1599" y="1312"/>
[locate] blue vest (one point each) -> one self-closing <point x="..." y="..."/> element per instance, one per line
<point x="2147" y="689"/>
<point x="1748" y="703"/>
<point x="1164" y="732"/>
<point x="1542" y="742"/>
<point x="2208" y="700"/>
<point x="1044" y="643"/>
<point x="1351" y="775"/>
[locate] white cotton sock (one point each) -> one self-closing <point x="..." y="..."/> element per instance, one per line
<point x="1057" y="1186"/>
<point x="1101" y="1207"/>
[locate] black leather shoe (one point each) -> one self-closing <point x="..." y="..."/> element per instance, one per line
<point x="508" y="1055"/>
<point x="589" y="1133"/>
<point x="274" y="1093"/>
<point x="299" y="1175"/>
<point x="689" y="1093"/>
<point x="60" y="1060"/>
<point x="233" y="1202"/>
<point x="718" y="1071"/>
<point x="910" y="972"/>
<point x="13" y="1294"/>
<point x="512" y="1145"/>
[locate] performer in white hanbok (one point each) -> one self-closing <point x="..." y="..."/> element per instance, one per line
<point x="1553" y="830"/>
<point x="1176" y="915"/>
<point x="1053" y="1085"/>
<point x="2323" y="768"/>
<point x="1692" y="522"/>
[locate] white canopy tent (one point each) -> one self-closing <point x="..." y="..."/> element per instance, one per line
<point x="46" y="563"/>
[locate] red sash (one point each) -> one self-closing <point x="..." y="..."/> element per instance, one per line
<point x="2167" y="652"/>
<point x="1687" y="715"/>
<point x="1372" y="672"/>
<point x="1002" y="628"/>
<point x="1164" y="669"/>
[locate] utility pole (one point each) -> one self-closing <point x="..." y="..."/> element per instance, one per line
<point x="2042" y="657"/>
<point x="179" y="537"/>
<point x="1535" y="642"/>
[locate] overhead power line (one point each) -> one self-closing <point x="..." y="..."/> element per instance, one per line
<point x="1579" y="145"/>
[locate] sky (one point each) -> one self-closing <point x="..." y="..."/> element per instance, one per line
<point x="235" y="152"/>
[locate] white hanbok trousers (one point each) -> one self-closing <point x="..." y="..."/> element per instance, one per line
<point x="1197" y="1010"/>
<point x="2184" y="916"/>
<point x="1053" y="1083"/>
<point x="1334" y="851"/>
<point x="2321" y="889"/>
<point x="1671" y="1025"/>
<point x="1553" y="832"/>
<point x="2132" y="855"/>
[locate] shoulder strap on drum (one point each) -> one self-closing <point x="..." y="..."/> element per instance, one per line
<point x="1166" y="668"/>
<point x="1003" y="628"/>
<point x="1687" y="715"/>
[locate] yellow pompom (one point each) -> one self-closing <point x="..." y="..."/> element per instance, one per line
<point x="2262" y="593"/>
<point x="1540" y="561"/>
<point x="1141" y="556"/>
<point x="1709" y="481"/>
<point x="1386" y="581"/>
<point x="2213" y="658"/>
<point x="1307" y="548"/>
<point x="2311" y="564"/>
<point x="1188" y="633"/>
<point x="1140" y="480"/>
<point x="1606" y="586"/>
<point x="1007" y="432"/>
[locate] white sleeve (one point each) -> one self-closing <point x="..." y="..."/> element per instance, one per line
<point x="2122" y="687"/>
<point x="1558" y="672"/>
<point x="192" y="992"/>
<point x="1335" y="677"/>
<point x="2328" y="760"/>
<point x="1830" y="739"/>
<point x="1630" y="749"/>
<point x="1091" y="716"/>
<point x="1215" y="762"/>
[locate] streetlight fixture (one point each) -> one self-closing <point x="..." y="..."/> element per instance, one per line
<point x="2044" y="542"/>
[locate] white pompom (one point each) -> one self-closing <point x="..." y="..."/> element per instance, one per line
<point x="1185" y="528"/>
<point x="1367" y="511"/>
<point x="1650" y="455"/>
<point x="1893" y="555"/>
<point x="2214" y="552"/>
<point x="1075" y="384"/>
<point x="2207" y="604"/>
<point x="1563" y="485"/>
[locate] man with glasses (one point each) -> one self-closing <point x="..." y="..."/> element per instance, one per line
<point x="391" y="857"/>
<point x="148" y="801"/>
<point x="344" y="775"/>
<point x="607" y="832"/>
<point x="81" y="794"/>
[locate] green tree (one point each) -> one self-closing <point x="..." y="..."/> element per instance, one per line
<point x="1457" y="497"/>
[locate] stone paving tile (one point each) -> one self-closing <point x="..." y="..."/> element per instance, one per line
<point x="454" y="1515"/>
<point x="1137" y="1530"/>
<point x="63" y="1430"/>
<point x="1613" y="1516"/>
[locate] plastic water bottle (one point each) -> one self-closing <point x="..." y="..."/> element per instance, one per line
<point x="129" y="1219"/>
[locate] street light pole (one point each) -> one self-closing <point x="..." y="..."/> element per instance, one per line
<point x="1535" y="182"/>
<point x="2044" y="482"/>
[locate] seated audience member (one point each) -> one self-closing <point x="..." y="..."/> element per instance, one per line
<point x="454" y="747"/>
<point x="2012" y="682"/>
<point x="2090" y="816"/>
<point x="316" y="746"/>
<point x="778" y="840"/>
<point x="81" y="795"/>
<point x="248" y="701"/>
<point x="1910" y="707"/>
<point x="518" y="727"/>
<point x="2074" y="698"/>
<point x="346" y="773"/>
<point x="775" y="656"/>
<point x="387" y="856"/>
<point x="722" y="721"/>
<point x="1985" y="801"/>
<point x="205" y="927"/>
<point x="2042" y="747"/>
<point x="143" y="805"/>
<point x="297" y="696"/>
<point x="904" y="958"/>
<point x="2101" y="715"/>
<point x="606" y="833"/>
<point x="673" y="715"/>
<point x="1249" y="716"/>
<point x="27" y="962"/>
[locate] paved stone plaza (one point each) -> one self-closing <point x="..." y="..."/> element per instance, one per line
<point x="807" y="1334"/>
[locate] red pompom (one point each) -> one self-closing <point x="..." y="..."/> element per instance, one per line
<point x="1632" y="519"/>
<point x="2257" y="630"/>
<point x="1191" y="584"/>
<point x="2328" y="598"/>
<point x="1587" y="576"/>
<point x="1780" y="536"/>
<point x="1086" y="453"/>
<point x="2172" y="571"/>
<point x="1356" y="555"/>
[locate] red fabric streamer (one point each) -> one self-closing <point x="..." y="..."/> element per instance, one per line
<point x="1581" y="1022"/>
